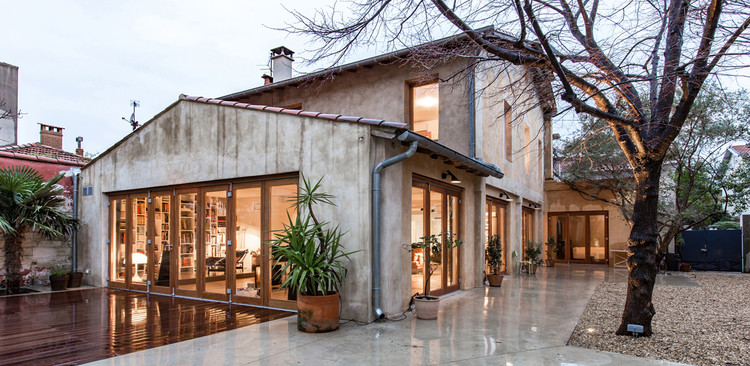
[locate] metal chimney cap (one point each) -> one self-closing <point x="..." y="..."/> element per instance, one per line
<point x="279" y="51"/>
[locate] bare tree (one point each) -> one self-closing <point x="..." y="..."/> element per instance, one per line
<point x="620" y="61"/>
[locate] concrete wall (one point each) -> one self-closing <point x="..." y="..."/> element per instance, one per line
<point x="196" y="142"/>
<point x="560" y="198"/>
<point x="8" y="103"/>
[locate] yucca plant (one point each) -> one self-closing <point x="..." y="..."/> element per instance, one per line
<point x="28" y="203"/>
<point x="310" y="250"/>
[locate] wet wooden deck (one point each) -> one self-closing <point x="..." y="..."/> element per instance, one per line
<point x="76" y="327"/>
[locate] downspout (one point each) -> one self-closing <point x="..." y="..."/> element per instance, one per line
<point x="376" y="219"/>
<point x="472" y="117"/>
<point x="74" y="236"/>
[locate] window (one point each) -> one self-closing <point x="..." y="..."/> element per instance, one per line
<point x="526" y="149"/>
<point x="424" y="111"/>
<point x="541" y="158"/>
<point x="508" y="114"/>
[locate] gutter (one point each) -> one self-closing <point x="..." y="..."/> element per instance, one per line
<point x="472" y="117"/>
<point x="376" y="218"/>
<point x="74" y="236"/>
<point x="473" y="165"/>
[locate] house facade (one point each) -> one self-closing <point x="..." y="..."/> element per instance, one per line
<point x="472" y="157"/>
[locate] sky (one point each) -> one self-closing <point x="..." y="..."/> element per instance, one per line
<point x="82" y="62"/>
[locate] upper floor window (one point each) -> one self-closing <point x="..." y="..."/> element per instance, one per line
<point x="527" y="149"/>
<point x="424" y="110"/>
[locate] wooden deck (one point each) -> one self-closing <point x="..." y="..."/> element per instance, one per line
<point x="76" y="327"/>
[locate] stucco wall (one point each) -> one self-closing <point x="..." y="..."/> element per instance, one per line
<point x="9" y="101"/>
<point x="196" y="142"/>
<point x="560" y="198"/>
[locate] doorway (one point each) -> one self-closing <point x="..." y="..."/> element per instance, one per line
<point x="435" y="209"/>
<point x="495" y="215"/>
<point x="581" y="237"/>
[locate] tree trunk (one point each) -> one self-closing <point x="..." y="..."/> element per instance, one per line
<point x="13" y="252"/>
<point x="642" y="245"/>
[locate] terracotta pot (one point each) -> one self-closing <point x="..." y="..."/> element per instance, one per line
<point x="685" y="267"/>
<point x="58" y="283"/>
<point x="496" y="280"/>
<point x="317" y="314"/>
<point x="74" y="279"/>
<point x="427" y="307"/>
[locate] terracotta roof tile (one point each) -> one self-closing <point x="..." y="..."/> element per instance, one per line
<point x="40" y="152"/>
<point x="331" y="116"/>
<point x="743" y="150"/>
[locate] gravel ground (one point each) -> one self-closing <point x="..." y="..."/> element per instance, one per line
<point x="706" y="325"/>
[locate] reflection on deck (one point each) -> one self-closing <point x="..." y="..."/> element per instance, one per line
<point x="75" y="327"/>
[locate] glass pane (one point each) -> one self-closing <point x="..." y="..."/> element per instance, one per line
<point x="188" y="211"/>
<point x="215" y="241"/>
<point x="557" y="232"/>
<point x="436" y="227"/>
<point x="281" y="197"/>
<point x="161" y="240"/>
<point x="597" y="251"/>
<point x="451" y="255"/>
<point x="577" y="237"/>
<point x="417" y="231"/>
<point x="425" y="99"/>
<point x="139" y="258"/>
<point x="119" y="231"/>
<point x="501" y="229"/>
<point x="248" y="216"/>
<point x="528" y="226"/>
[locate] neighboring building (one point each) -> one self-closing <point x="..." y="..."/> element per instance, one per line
<point x="49" y="159"/>
<point x="732" y="158"/>
<point x="8" y="104"/>
<point x="208" y="179"/>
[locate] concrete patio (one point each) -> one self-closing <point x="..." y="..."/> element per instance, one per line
<point x="525" y="322"/>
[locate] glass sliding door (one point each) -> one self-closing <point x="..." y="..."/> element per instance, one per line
<point x="187" y="234"/>
<point x="598" y="238"/>
<point x="248" y="219"/>
<point x="161" y="240"/>
<point x="435" y="210"/>
<point x="556" y="230"/>
<point x="119" y="262"/>
<point x="577" y="228"/>
<point x="495" y="215"/>
<point x="139" y="240"/>
<point x="280" y="200"/>
<point x="215" y="258"/>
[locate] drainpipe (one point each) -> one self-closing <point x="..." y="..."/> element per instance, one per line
<point x="376" y="219"/>
<point x="472" y="117"/>
<point x="74" y="236"/>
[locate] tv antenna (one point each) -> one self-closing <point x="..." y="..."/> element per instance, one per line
<point x="132" y="121"/>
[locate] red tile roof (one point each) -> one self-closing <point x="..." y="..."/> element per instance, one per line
<point x="37" y="151"/>
<point x="743" y="150"/>
<point x="335" y="117"/>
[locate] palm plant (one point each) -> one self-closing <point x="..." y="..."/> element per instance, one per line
<point x="310" y="250"/>
<point x="28" y="203"/>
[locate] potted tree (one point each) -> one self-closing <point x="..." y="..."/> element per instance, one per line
<point x="494" y="253"/>
<point x="310" y="253"/>
<point x="432" y="246"/>
<point x="552" y="247"/>
<point x="28" y="203"/>
<point x="532" y="252"/>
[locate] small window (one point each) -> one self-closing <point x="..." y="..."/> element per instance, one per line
<point x="541" y="159"/>
<point x="508" y="114"/>
<point x="425" y="100"/>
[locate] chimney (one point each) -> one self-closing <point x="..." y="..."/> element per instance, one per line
<point x="51" y="136"/>
<point x="267" y="79"/>
<point x="281" y="63"/>
<point x="79" y="150"/>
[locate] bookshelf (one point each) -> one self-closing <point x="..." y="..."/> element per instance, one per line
<point x="216" y="226"/>
<point x="187" y="232"/>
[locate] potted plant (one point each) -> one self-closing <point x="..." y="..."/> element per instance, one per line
<point x="532" y="252"/>
<point x="310" y="254"/>
<point x="432" y="247"/>
<point x="494" y="253"/>
<point x="551" y="250"/>
<point x="58" y="278"/>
